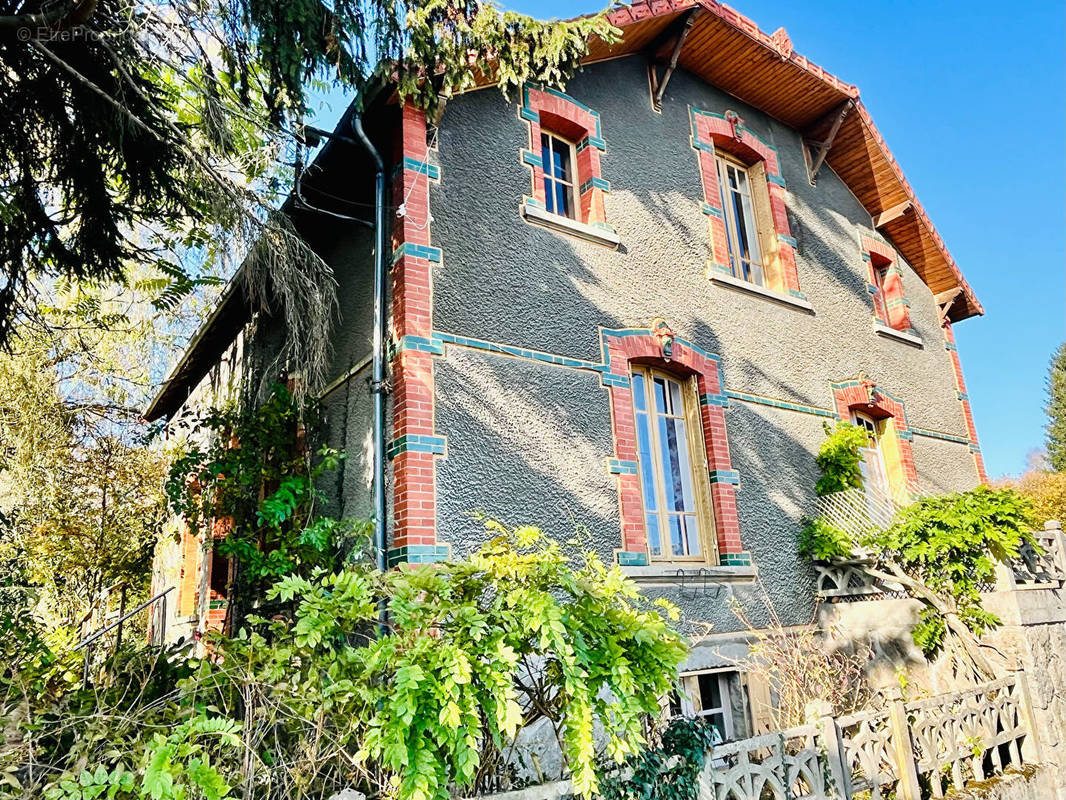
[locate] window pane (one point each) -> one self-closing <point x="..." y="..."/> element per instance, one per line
<point x="692" y="535"/>
<point x="710" y="691"/>
<point x="677" y="403"/>
<point x="561" y="164"/>
<point x="660" y="395"/>
<point x="677" y="471"/>
<point x="717" y="722"/>
<point x="640" y="398"/>
<point x="655" y="540"/>
<point x="562" y="199"/>
<point x="677" y="538"/>
<point x="549" y="195"/>
<point x="647" y="469"/>
<point x="545" y="153"/>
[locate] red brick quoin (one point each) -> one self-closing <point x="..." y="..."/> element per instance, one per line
<point x="862" y="394"/>
<point x="557" y="113"/>
<point x="621" y="347"/>
<point x="967" y="412"/>
<point x="412" y="394"/>
<point x="727" y="133"/>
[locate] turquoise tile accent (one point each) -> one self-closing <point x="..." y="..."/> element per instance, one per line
<point x="532" y="159"/>
<point x="797" y="293"/>
<point x="866" y="256"/>
<point x="694" y="112"/>
<point x="906" y="435"/>
<point x="950" y="346"/>
<point x="423" y="168"/>
<point x="974" y="448"/>
<point x="418" y="554"/>
<point x="711" y="211"/>
<point x="416" y="251"/>
<point x="776" y="179"/>
<point x="724" y="476"/>
<point x="610" y="379"/>
<point x="963" y="396"/>
<point x="529" y="114"/>
<point x="872" y="289"/>
<point x="782" y="404"/>
<point x="422" y="344"/>
<point x="595" y="183"/>
<point x="621" y="466"/>
<point x="714" y="400"/>
<point x="947" y="437"/>
<point x="415" y="443"/>
<point x="631" y="559"/>
<point x="525" y="104"/>
<point x="591" y="141"/>
<point x="736" y="559"/>
<point x="789" y="240"/>
<point x="722" y="268"/>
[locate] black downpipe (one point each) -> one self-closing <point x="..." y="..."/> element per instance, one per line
<point x="377" y="377"/>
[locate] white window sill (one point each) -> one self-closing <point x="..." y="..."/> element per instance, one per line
<point x="556" y="222"/>
<point x="729" y="282"/>
<point x="689" y="574"/>
<point x="901" y="336"/>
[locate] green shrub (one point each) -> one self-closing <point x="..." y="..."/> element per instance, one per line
<point x="321" y="697"/>
<point x="951" y="545"/>
<point x="839" y="458"/>
<point x="822" y="541"/>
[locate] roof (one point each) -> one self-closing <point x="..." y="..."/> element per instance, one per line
<point x="729" y="51"/>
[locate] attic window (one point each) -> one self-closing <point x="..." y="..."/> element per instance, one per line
<point x="742" y="233"/>
<point x="891" y="307"/>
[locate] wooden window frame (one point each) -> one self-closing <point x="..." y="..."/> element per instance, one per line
<point x="686" y="696"/>
<point x="573" y="184"/>
<point x="723" y="161"/>
<point x="706" y="534"/>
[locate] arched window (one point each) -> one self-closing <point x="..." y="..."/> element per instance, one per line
<point x="676" y="484"/>
<point x="745" y="204"/>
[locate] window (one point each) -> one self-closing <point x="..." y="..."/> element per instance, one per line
<point x="709" y="695"/>
<point x="742" y="234"/>
<point x="673" y="470"/>
<point x="558" y="159"/>
<point x="874" y="475"/>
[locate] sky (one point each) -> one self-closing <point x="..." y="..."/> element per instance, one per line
<point x="971" y="99"/>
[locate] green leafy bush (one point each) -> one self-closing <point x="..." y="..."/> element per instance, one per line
<point x="321" y="696"/>
<point x="668" y="768"/>
<point x="950" y="544"/>
<point x="839" y="458"/>
<point x="822" y="541"/>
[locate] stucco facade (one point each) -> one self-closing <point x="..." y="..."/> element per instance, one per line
<point x="519" y="313"/>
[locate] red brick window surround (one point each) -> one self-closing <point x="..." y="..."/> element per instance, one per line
<point x="891" y="307"/>
<point x="723" y="138"/>
<point x="687" y="363"/>
<point x="863" y="395"/>
<point x="574" y="135"/>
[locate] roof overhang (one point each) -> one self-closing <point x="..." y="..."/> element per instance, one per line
<point x="729" y="51"/>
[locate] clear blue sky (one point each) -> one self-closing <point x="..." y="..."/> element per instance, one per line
<point x="970" y="98"/>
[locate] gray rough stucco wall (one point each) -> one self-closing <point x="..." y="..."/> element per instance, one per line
<point x="507" y="281"/>
<point x="347" y="411"/>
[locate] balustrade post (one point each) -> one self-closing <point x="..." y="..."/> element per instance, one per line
<point x="1053" y="529"/>
<point x="1031" y="746"/>
<point x="902" y="747"/>
<point x="820" y="714"/>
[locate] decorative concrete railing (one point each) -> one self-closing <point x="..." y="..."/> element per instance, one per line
<point x="1033" y="568"/>
<point x="904" y="751"/>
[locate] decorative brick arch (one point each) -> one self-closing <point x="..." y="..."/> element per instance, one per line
<point x="863" y="394"/>
<point x="562" y="114"/>
<point x="726" y="132"/>
<point x="620" y="348"/>
<point x="891" y="304"/>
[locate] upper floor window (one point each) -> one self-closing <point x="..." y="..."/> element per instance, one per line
<point x="673" y="470"/>
<point x="558" y="158"/>
<point x="742" y="232"/>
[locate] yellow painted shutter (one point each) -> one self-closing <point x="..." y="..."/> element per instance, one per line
<point x="700" y="478"/>
<point x="760" y="703"/>
<point x="764" y="221"/>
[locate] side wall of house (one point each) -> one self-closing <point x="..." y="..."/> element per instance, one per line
<point x="523" y="416"/>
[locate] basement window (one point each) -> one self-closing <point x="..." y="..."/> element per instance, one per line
<point x="713" y="696"/>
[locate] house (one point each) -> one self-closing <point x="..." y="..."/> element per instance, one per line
<point x="625" y="312"/>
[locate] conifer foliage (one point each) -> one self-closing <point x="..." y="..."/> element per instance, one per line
<point x="1056" y="410"/>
